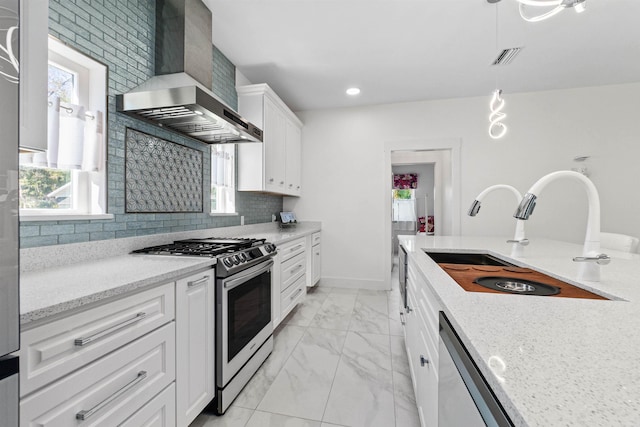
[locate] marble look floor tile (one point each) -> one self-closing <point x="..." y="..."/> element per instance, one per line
<point x="335" y="312"/>
<point x="303" y="314"/>
<point x="405" y="402"/>
<point x="331" y="425"/>
<point x="370" y="314"/>
<point x="396" y="328"/>
<point x="370" y="292"/>
<point x="302" y="387"/>
<point x="399" y="361"/>
<point x="362" y="392"/>
<point x="285" y="340"/>
<point x="234" y="417"/>
<point x="268" y="419"/>
<point x="347" y="291"/>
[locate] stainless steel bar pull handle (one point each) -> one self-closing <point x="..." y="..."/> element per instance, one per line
<point x="296" y="268"/>
<point x="79" y="342"/>
<point x="523" y="242"/>
<point x="295" y="248"/>
<point x="198" y="282"/>
<point x="600" y="259"/>
<point x="296" y="294"/>
<point x="423" y="360"/>
<point x="402" y="319"/>
<point x="85" y="415"/>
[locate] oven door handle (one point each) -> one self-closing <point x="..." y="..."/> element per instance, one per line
<point x="241" y="279"/>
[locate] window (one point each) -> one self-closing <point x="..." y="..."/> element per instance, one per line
<point x="404" y="205"/>
<point x="223" y="171"/>
<point x="69" y="178"/>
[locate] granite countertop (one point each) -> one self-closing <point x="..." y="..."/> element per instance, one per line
<point x="96" y="271"/>
<point x="550" y="361"/>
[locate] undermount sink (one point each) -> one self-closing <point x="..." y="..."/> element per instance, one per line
<point x="467" y="258"/>
<point x="481" y="272"/>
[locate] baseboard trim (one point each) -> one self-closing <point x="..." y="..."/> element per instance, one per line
<point x="342" y="282"/>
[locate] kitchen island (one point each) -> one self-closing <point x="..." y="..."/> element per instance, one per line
<point x="550" y="361"/>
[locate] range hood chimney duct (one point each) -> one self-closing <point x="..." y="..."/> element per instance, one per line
<point x="183" y="39"/>
<point x="178" y="97"/>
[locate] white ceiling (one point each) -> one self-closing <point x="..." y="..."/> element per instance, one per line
<point x="311" y="51"/>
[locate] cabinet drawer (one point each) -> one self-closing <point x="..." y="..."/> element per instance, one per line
<point x="291" y="270"/>
<point x="51" y="351"/>
<point x="292" y="296"/>
<point x="108" y="391"/>
<point x="160" y="412"/>
<point x="292" y="248"/>
<point x="315" y="238"/>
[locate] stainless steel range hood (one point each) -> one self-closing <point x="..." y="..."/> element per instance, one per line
<point x="178" y="97"/>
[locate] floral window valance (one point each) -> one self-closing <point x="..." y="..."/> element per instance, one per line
<point x="405" y="181"/>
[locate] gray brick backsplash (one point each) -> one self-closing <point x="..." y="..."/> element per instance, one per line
<point x="120" y="33"/>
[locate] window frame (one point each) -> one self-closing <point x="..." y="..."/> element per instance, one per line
<point x="227" y="210"/>
<point x="89" y="188"/>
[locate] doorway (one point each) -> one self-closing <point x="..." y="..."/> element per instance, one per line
<point x="444" y="156"/>
<point x="413" y="191"/>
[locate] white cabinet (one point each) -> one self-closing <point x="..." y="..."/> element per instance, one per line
<point x="421" y="341"/>
<point x="112" y="364"/>
<point x="316" y="259"/>
<point x="293" y="157"/>
<point x="34" y="51"/>
<point x="289" y="278"/>
<point x="52" y="350"/>
<point x="195" y="345"/>
<point x="274" y="165"/>
<point x="108" y="391"/>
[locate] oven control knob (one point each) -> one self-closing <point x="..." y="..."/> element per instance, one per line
<point x="243" y="257"/>
<point x="235" y="259"/>
<point x="227" y="262"/>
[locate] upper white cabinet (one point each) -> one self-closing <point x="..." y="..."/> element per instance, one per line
<point x="34" y="24"/>
<point x="274" y="165"/>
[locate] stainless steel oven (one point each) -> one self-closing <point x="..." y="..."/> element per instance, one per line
<point x="243" y="329"/>
<point x="244" y="326"/>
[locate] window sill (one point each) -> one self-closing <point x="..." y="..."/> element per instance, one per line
<point x="223" y="214"/>
<point x="62" y="217"/>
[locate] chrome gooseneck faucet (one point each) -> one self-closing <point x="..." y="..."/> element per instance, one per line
<point x="591" y="258"/>
<point x="519" y="241"/>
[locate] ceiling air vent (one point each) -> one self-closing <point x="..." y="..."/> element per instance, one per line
<point x="506" y="56"/>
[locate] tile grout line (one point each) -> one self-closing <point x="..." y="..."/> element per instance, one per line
<point x="324" y="412"/>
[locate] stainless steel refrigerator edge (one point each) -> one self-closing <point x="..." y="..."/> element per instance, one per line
<point x="9" y="243"/>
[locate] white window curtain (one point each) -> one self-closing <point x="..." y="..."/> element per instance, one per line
<point x="75" y="138"/>
<point x="404" y="210"/>
<point x="224" y="165"/>
<point x="223" y="178"/>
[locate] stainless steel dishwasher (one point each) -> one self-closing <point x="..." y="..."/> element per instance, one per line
<point x="464" y="397"/>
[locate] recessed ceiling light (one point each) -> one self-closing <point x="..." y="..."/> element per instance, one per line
<point x="353" y="91"/>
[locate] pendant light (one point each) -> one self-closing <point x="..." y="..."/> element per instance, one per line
<point x="497" y="129"/>
<point x="549" y="8"/>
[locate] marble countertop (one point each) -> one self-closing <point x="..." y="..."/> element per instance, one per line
<point x="550" y="361"/>
<point x="105" y="269"/>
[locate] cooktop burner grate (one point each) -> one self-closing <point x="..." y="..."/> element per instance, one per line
<point x="209" y="247"/>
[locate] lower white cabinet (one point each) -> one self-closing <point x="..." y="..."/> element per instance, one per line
<point x="195" y="339"/>
<point x="316" y="262"/>
<point x="421" y="341"/>
<point x="289" y="278"/>
<point x="108" y="391"/>
<point x="159" y="412"/>
<point x="57" y="348"/>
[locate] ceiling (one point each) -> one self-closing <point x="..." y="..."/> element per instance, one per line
<point x="311" y="51"/>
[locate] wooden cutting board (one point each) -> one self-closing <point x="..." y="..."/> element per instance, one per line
<point x="465" y="274"/>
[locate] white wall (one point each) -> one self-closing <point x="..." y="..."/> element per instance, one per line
<point x="344" y="164"/>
